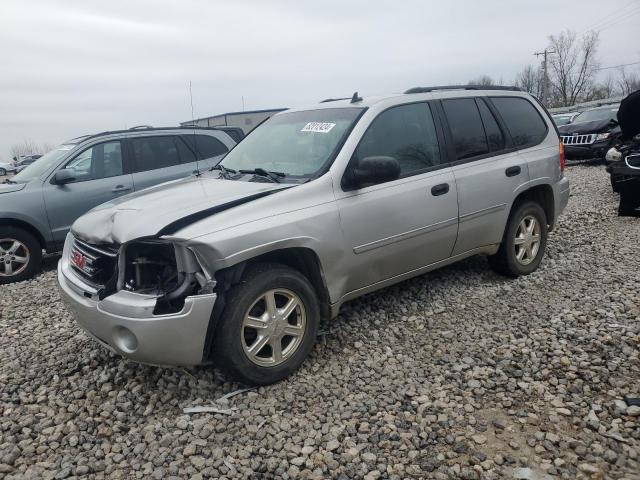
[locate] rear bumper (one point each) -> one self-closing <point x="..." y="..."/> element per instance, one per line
<point x="124" y="322"/>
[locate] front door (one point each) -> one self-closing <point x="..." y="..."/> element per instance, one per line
<point x="99" y="177"/>
<point x="405" y="224"/>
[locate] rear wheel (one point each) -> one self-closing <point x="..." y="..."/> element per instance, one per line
<point x="524" y="241"/>
<point x="268" y="326"/>
<point x="20" y="255"/>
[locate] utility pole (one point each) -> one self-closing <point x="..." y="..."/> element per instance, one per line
<point x="545" y="78"/>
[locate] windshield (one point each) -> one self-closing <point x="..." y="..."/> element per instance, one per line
<point x="298" y="144"/>
<point x="42" y="165"/>
<point x="599" y="114"/>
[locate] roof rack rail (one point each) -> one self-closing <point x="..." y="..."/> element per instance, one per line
<point x="140" y="127"/>
<point x="462" y="87"/>
<point x="326" y="100"/>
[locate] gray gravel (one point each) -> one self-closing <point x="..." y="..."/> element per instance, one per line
<point x="456" y="374"/>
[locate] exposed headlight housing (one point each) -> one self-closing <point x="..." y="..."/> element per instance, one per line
<point x="613" y="155"/>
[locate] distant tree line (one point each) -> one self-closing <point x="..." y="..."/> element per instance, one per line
<point x="572" y="72"/>
<point x="29" y="147"/>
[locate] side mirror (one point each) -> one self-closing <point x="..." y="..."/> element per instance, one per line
<point x="372" y="170"/>
<point x="64" y="176"/>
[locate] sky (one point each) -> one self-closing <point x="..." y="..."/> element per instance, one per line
<point x="69" y="68"/>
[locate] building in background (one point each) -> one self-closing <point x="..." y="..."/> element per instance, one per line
<point x="246" y="120"/>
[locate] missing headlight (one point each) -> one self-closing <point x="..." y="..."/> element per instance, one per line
<point x="153" y="268"/>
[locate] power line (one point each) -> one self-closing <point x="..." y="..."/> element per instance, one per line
<point x="617" y="66"/>
<point x="611" y="16"/>
<point x="616" y="20"/>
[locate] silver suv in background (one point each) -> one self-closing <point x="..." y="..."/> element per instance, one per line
<point x="319" y="205"/>
<point x="39" y="204"/>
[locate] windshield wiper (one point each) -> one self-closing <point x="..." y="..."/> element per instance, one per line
<point x="275" y="176"/>
<point x="224" y="171"/>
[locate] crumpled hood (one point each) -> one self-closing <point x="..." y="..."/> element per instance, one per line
<point x="596" y="126"/>
<point x="11" y="187"/>
<point x="166" y="208"/>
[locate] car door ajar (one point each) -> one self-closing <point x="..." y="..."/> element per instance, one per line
<point x="402" y="225"/>
<point x="99" y="176"/>
<point x="487" y="171"/>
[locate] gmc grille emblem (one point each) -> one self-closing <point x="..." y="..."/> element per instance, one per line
<point x="78" y="260"/>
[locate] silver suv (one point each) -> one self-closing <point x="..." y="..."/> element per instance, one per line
<point x="317" y="206"/>
<point x="39" y="204"/>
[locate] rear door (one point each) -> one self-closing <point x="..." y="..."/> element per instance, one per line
<point x="100" y="175"/>
<point x="398" y="226"/>
<point x="487" y="170"/>
<point x="160" y="158"/>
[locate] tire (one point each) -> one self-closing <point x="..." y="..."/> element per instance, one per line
<point x="234" y="338"/>
<point x="3" y="172"/>
<point x="506" y="261"/>
<point x="28" y="248"/>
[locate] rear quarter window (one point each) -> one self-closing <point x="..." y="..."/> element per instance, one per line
<point x="522" y="119"/>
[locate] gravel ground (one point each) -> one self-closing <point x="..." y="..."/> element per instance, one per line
<point x="457" y="374"/>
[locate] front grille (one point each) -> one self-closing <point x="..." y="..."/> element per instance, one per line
<point x="95" y="264"/>
<point x="587" y="139"/>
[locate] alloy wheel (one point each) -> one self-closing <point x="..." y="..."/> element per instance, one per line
<point x="527" y="240"/>
<point x="14" y="257"/>
<point x="273" y="327"/>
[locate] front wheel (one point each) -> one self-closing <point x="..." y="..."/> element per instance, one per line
<point x="20" y="255"/>
<point x="268" y="326"/>
<point x="524" y="241"/>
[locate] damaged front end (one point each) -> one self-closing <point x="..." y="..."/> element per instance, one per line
<point x="168" y="271"/>
<point x="149" y="300"/>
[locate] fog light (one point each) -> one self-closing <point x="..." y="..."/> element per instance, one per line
<point x="124" y="339"/>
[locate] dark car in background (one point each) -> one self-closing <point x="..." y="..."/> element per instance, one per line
<point x="591" y="133"/>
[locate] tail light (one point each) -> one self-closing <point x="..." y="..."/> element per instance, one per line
<point x="563" y="160"/>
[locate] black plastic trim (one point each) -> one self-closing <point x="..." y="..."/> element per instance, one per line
<point x="462" y="87"/>
<point x="173" y="227"/>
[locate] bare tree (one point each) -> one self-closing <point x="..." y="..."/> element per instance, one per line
<point x="483" y="80"/>
<point x="628" y="81"/>
<point x="572" y="66"/>
<point x="530" y="79"/>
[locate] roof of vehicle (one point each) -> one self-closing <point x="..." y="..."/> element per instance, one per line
<point x="372" y="100"/>
<point x="145" y="128"/>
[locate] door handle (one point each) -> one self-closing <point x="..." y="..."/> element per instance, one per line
<point x="513" y="171"/>
<point x="120" y="188"/>
<point x="440" y="189"/>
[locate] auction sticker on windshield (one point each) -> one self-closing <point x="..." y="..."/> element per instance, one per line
<point x="318" y="127"/>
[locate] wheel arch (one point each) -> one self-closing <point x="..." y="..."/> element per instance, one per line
<point x="541" y="194"/>
<point x="14" y="222"/>
<point x="302" y="259"/>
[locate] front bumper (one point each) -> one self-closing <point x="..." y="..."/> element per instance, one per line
<point x="593" y="151"/>
<point x="124" y="322"/>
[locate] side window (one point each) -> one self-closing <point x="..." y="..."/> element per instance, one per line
<point x="405" y="132"/>
<point x="526" y="126"/>
<point x="491" y="128"/>
<point x="466" y="127"/>
<point x="100" y="161"/>
<point x="186" y="154"/>
<point x="150" y="153"/>
<point x="205" y="146"/>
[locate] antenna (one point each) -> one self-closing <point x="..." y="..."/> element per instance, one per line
<point x="356" y="98"/>
<point x="193" y="124"/>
